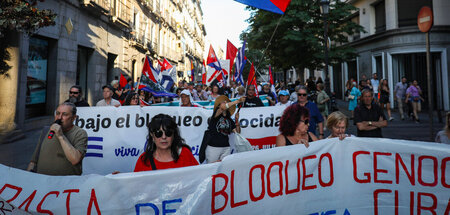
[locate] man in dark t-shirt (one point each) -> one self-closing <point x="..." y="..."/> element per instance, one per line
<point x="369" y="117"/>
<point x="252" y="100"/>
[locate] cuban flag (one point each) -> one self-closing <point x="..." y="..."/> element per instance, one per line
<point x="149" y="71"/>
<point x="167" y="72"/>
<point x="275" y="6"/>
<point x="213" y="62"/>
<point x="241" y="60"/>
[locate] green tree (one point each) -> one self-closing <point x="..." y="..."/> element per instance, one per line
<point x="298" y="39"/>
<point x="21" y="16"/>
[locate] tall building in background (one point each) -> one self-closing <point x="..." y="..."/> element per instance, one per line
<point x="92" y="43"/>
<point x="393" y="46"/>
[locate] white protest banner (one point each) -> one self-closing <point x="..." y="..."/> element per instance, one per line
<point x="117" y="136"/>
<point x="353" y="176"/>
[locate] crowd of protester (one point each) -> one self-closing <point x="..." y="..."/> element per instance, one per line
<point x="309" y="111"/>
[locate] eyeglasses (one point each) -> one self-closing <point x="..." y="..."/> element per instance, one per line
<point x="159" y="133"/>
<point x="306" y="121"/>
<point x="302" y="94"/>
<point x="76" y="93"/>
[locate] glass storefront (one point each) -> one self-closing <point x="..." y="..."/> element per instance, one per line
<point x="36" y="92"/>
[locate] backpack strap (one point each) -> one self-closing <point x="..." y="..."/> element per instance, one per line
<point x="152" y="163"/>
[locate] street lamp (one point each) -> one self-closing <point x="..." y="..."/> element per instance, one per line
<point x="325" y="9"/>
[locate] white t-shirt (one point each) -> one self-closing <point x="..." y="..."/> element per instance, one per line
<point x="286" y="104"/>
<point x="112" y="103"/>
<point x="375" y="84"/>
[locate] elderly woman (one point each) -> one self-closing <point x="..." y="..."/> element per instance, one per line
<point x="165" y="147"/>
<point x="337" y="123"/>
<point x="283" y="96"/>
<point x="240" y="91"/>
<point x="294" y="127"/>
<point x="215" y="145"/>
<point x="443" y="136"/>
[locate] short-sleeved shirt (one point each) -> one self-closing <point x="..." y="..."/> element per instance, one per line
<point x="112" y="103"/>
<point x="253" y="102"/>
<point x="186" y="159"/>
<point x="315" y="117"/>
<point x="269" y="94"/>
<point x="362" y="113"/>
<point x="220" y="127"/>
<point x="413" y="91"/>
<point x="400" y="89"/>
<point x="53" y="161"/>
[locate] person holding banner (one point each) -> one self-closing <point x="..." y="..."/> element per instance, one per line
<point x="165" y="147"/>
<point x="107" y="100"/>
<point x="215" y="145"/>
<point x="337" y="123"/>
<point x="252" y="100"/>
<point x="283" y="96"/>
<point x="132" y="99"/>
<point x="294" y="125"/>
<point x="186" y="99"/>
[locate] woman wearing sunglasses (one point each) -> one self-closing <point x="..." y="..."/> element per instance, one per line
<point x="294" y="125"/>
<point x="165" y="148"/>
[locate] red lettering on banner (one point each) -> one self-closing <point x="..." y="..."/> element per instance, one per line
<point x="93" y="199"/>
<point x="68" y="198"/>
<point x="411" y="203"/>
<point x="443" y="172"/>
<point x="220" y="192"/>
<point x="19" y="189"/>
<point x="287" y="178"/>
<point x="304" y="187"/>
<point x="375" y="198"/>
<point x="28" y="201"/>
<point x="232" y="203"/>
<point x="447" y="210"/>
<point x="263" y="190"/>
<point x="396" y="202"/>
<point x="280" y="174"/>
<point x="409" y="174"/>
<point x="431" y="208"/>
<point x="355" y="168"/>
<point x="376" y="170"/>
<point x="435" y="171"/>
<point x="39" y="206"/>
<point x="330" y="160"/>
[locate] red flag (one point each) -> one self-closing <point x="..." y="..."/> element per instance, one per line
<point x="122" y="81"/>
<point x="166" y="65"/>
<point x="204" y="73"/>
<point x="231" y="53"/>
<point x="252" y="79"/>
<point x="270" y="75"/>
<point x="211" y="56"/>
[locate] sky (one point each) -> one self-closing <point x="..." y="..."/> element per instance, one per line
<point x="223" y="19"/>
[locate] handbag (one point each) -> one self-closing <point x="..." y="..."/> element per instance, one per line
<point x="351" y="97"/>
<point x="239" y="143"/>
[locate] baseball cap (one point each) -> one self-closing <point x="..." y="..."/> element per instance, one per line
<point x="283" y="93"/>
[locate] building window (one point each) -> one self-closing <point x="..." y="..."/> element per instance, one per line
<point x="380" y="16"/>
<point x="408" y="11"/>
<point x="37" y="78"/>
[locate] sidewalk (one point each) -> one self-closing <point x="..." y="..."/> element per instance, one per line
<point x="398" y="129"/>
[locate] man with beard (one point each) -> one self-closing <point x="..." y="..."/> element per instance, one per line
<point x="75" y="97"/>
<point x="252" y="100"/>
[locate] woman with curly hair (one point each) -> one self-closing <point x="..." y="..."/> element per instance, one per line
<point x="294" y="127"/>
<point x="165" y="147"/>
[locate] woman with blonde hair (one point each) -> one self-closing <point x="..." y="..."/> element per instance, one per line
<point x="444" y="135"/>
<point x="337" y="123"/>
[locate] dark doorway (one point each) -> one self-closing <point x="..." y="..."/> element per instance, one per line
<point x="83" y="62"/>
<point x="337" y="81"/>
<point x="110" y="67"/>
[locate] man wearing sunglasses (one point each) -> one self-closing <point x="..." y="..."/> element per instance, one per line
<point x="76" y="97"/>
<point x="316" y="119"/>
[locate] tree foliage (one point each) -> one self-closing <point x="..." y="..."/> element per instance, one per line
<point x="299" y="38"/>
<point x="20" y="16"/>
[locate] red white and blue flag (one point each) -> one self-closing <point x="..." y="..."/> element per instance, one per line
<point x="275" y="6"/>
<point x="166" y="75"/>
<point x="241" y="60"/>
<point x="213" y="61"/>
<point x="149" y="71"/>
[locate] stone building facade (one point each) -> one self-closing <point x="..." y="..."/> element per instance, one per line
<point x="92" y="43"/>
<point x="392" y="46"/>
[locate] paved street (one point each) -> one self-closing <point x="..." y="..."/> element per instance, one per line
<point x="18" y="153"/>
